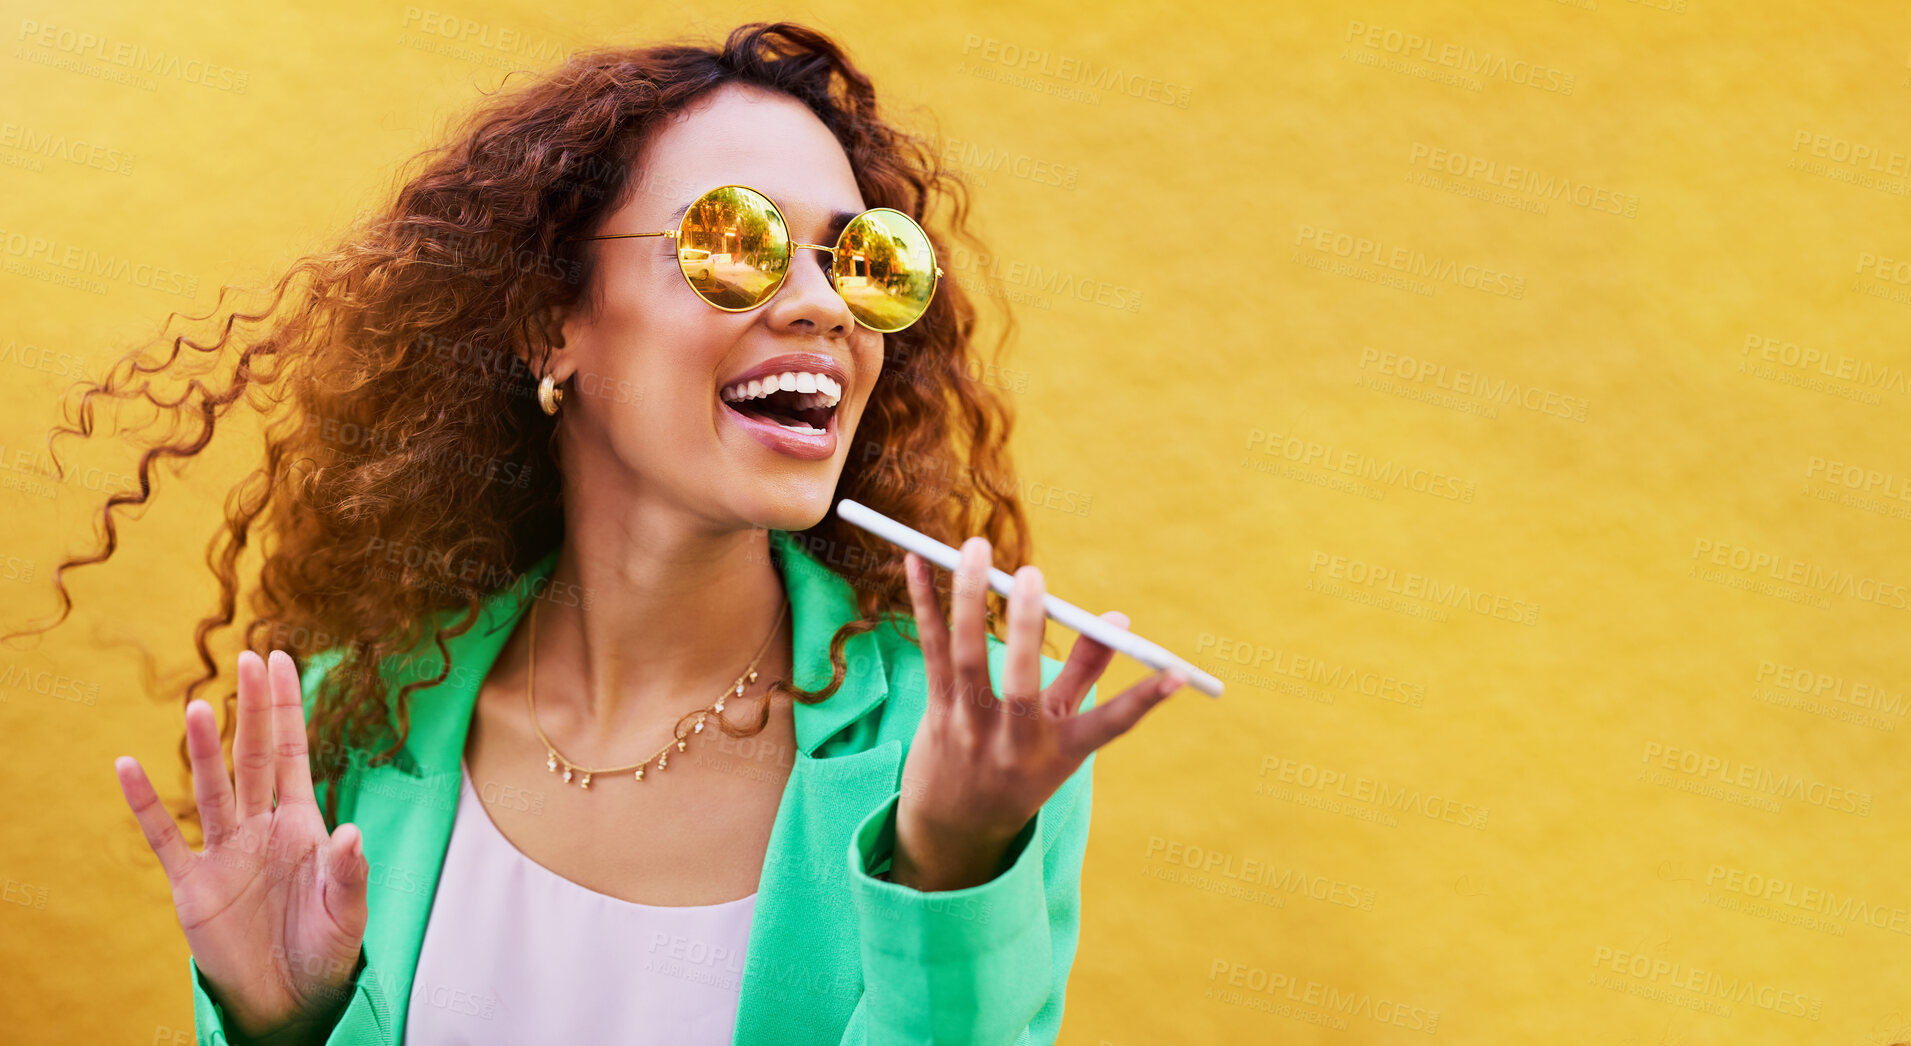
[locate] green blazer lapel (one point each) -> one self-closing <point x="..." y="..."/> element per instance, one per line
<point x="801" y="977"/>
<point x="405" y="809"/>
<point x="820" y="603"/>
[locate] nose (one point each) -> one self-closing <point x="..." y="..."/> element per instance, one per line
<point x="808" y="298"/>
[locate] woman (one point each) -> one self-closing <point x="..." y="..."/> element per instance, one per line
<point x="567" y="431"/>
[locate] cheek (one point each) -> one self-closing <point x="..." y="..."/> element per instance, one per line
<point x="658" y="297"/>
<point x="869" y="356"/>
<point x="640" y="289"/>
<point x="663" y="336"/>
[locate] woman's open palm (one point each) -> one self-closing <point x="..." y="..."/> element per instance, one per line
<point x="981" y="766"/>
<point x="273" y="908"/>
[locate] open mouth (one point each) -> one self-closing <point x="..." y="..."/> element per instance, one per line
<point x="800" y="401"/>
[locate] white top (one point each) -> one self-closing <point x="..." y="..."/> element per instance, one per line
<point x="516" y="953"/>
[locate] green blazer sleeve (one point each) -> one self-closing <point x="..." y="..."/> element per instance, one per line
<point x="982" y="966"/>
<point x="361" y="1025"/>
<point x="364" y="1021"/>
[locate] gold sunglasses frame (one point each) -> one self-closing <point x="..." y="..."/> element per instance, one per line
<point x="676" y="235"/>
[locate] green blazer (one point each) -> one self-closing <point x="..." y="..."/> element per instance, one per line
<point x="835" y="955"/>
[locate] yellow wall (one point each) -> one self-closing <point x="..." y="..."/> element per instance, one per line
<point x="1316" y="349"/>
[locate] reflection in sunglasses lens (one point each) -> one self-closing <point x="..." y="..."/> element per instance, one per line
<point x="733" y="247"/>
<point x="885" y="269"/>
<point x="735" y="250"/>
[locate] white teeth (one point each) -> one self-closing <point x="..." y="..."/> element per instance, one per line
<point x="827" y="391"/>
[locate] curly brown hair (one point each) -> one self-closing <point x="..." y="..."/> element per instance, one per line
<point x="412" y="423"/>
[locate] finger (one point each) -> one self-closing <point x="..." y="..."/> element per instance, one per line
<point x="211" y="784"/>
<point x="346" y="873"/>
<point x="162" y="832"/>
<point x="931" y="628"/>
<point x="1022" y="668"/>
<point x="1111" y="719"/>
<point x="252" y="739"/>
<point x="970" y="656"/>
<point x="1087" y="660"/>
<point x="288" y="732"/>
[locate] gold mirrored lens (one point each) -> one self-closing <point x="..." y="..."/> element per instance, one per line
<point x="885" y="269"/>
<point x="734" y="247"/>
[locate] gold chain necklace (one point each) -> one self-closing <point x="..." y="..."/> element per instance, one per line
<point x="662" y="755"/>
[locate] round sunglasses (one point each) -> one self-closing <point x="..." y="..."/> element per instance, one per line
<point x="734" y="249"/>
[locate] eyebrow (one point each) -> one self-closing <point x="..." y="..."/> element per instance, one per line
<point x="837" y="219"/>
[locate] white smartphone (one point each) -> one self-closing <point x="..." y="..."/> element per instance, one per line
<point x="1059" y="610"/>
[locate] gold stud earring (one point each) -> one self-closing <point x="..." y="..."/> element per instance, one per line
<point x="549" y="395"/>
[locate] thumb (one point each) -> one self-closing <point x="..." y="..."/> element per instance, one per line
<point x="1105" y="722"/>
<point x="346" y="873"/>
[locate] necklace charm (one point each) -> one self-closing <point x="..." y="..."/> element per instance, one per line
<point x="551" y="756"/>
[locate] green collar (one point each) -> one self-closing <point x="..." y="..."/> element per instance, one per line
<point x="821" y="601"/>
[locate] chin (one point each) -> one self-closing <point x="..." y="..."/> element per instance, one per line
<point x="794" y="510"/>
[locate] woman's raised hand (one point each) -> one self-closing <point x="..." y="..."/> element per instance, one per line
<point x="273" y="909"/>
<point x="981" y="767"/>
